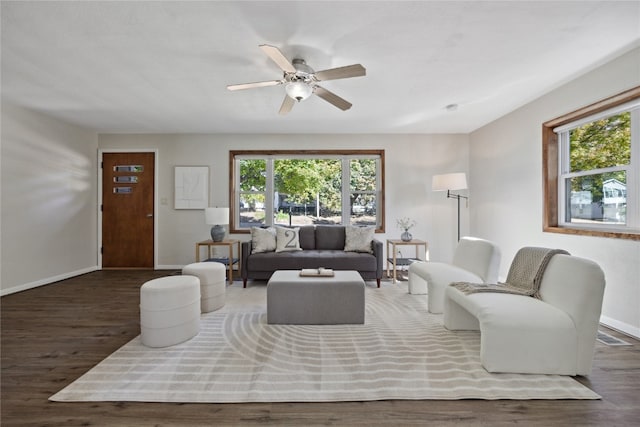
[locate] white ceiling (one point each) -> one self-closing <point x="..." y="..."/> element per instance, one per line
<point x="163" y="67"/>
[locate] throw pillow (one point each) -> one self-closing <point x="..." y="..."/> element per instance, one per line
<point x="358" y="239"/>
<point x="287" y="239"/>
<point x="263" y="239"/>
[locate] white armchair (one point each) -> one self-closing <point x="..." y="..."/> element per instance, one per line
<point x="554" y="334"/>
<point x="474" y="260"/>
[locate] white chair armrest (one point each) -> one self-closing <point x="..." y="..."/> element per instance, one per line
<point x="438" y="276"/>
<point x="576" y="286"/>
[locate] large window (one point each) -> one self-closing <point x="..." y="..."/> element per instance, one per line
<point x="592" y="169"/>
<point x="307" y="187"/>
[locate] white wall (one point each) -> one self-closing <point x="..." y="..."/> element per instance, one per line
<point x="411" y="160"/>
<point x="48" y="200"/>
<point x="506" y="187"/>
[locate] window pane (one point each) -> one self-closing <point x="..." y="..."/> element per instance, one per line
<point x="363" y="209"/>
<point x="363" y="175"/>
<point x="253" y="173"/>
<point x="600" y="198"/>
<point x="290" y="212"/>
<point x="331" y="193"/>
<point x="601" y="144"/>
<point x="363" y="191"/>
<point x="307" y="191"/>
<point x="251" y="208"/>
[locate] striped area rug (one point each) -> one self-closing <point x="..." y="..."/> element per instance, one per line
<point x="401" y="352"/>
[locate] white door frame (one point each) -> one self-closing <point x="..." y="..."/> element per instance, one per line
<point x="101" y="151"/>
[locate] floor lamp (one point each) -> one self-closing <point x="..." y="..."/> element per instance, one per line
<point x="448" y="182"/>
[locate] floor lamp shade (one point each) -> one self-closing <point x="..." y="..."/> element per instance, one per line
<point x="218" y="217"/>
<point x="448" y="182"/>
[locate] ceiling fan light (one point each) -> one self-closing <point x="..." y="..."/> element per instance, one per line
<point x="298" y="90"/>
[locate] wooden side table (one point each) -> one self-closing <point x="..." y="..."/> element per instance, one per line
<point x="392" y="254"/>
<point x="229" y="262"/>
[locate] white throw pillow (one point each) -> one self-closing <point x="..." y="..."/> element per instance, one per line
<point x="287" y="239"/>
<point x="263" y="239"/>
<point x="358" y="239"/>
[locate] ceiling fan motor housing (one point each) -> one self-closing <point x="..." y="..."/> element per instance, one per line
<point x="302" y="67"/>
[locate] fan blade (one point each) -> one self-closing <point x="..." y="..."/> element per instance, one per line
<point x="256" y="84"/>
<point x="277" y="57"/>
<point x="287" y="105"/>
<point x="332" y="98"/>
<point x="355" y="70"/>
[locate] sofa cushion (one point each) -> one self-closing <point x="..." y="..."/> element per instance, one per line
<point x="335" y="259"/>
<point x="330" y="237"/>
<point x="307" y="237"/>
<point x="358" y="239"/>
<point x="263" y="239"/>
<point x="287" y="239"/>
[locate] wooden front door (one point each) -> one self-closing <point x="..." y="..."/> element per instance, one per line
<point x="127" y="210"/>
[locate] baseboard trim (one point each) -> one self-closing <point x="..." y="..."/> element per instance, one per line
<point x="181" y="266"/>
<point x="47" y="281"/>
<point x="620" y="327"/>
<point x="169" y="267"/>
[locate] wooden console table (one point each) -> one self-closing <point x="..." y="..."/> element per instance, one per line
<point x="392" y="254"/>
<point x="229" y="262"/>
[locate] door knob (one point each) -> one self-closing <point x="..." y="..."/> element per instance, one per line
<point x="149" y="215"/>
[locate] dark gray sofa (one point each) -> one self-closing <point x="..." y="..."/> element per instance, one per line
<point x="322" y="246"/>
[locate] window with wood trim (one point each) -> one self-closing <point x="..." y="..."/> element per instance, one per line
<point x="591" y="169"/>
<point x="298" y="187"/>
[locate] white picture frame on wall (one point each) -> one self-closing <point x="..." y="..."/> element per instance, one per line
<point x="191" y="190"/>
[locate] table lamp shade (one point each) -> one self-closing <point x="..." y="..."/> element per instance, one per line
<point x="216" y="216"/>
<point x="449" y="181"/>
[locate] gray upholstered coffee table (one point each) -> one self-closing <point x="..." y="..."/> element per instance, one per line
<point x="293" y="299"/>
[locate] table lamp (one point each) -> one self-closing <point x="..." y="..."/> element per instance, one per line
<point x="218" y="217"/>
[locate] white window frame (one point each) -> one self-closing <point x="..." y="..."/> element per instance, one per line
<point x="632" y="170"/>
<point x="345" y="156"/>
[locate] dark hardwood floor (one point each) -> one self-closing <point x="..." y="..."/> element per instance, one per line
<point x="53" y="334"/>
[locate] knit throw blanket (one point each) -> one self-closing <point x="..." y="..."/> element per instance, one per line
<point x="525" y="274"/>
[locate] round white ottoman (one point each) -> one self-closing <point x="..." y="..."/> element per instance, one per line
<point x="213" y="276"/>
<point x="169" y="310"/>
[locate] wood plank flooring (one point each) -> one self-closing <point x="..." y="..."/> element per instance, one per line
<point x="53" y="334"/>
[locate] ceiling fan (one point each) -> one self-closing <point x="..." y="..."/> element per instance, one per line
<point x="301" y="81"/>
